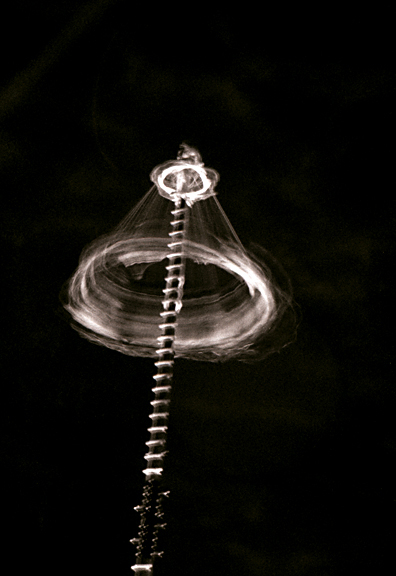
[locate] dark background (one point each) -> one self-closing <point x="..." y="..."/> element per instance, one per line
<point x="284" y="467"/>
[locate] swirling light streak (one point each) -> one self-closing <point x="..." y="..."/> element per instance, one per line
<point x="111" y="303"/>
<point x="210" y="327"/>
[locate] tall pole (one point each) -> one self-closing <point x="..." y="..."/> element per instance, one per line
<point x="151" y="513"/>
<point x="183" y="181"/>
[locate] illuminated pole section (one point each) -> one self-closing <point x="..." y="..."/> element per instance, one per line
<point x="184" y="181"/>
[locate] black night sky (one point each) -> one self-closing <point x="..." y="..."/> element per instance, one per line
<point x="283" y="467"/>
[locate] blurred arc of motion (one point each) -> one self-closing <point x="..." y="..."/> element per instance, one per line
<point x="236" y="303"/>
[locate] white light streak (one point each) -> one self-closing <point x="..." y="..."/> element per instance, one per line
<point x="232" y="306"/>
<point x="137" y="567"/>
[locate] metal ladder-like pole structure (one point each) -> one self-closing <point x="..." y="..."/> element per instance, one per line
<point x="151" y="514"/>
<point x="183" y="181"/>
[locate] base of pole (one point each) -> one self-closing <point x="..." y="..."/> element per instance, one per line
<point x="145" y="569"/>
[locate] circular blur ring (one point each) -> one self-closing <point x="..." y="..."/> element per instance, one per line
<point x="208" y="177"/>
